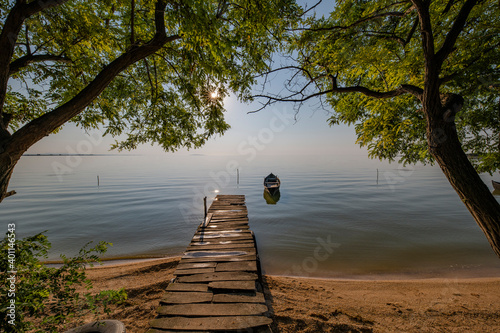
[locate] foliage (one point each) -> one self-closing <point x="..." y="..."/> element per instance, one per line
<point x="163" y="99"/>
<point x="377" y="45"/>
<point x="46" y="297"/>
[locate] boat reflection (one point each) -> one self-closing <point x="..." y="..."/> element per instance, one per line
<point x="272" y="198"/>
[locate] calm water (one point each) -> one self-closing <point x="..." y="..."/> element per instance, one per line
<point x="332" y="218"/>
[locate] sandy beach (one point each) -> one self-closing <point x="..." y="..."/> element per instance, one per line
<point x="327" y="305"/>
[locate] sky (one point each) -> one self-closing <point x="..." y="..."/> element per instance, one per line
<point x="276" y="130"/>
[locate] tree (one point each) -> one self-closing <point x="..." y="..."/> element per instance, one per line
<point x="418" y="79"/>
<point x="144" y="68"/>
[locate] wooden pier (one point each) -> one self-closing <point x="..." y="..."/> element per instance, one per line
<point x="218" y="281"/>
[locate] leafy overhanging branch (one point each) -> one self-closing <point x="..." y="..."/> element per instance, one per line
<point x="12" y="26"/>
<point x="47" y="123"/>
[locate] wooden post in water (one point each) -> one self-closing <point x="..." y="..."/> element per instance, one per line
<point x="97" y="180"/>
<point x="205" y="206"/>
<point x="377" y="176"/>
<point x="238" y="176"/>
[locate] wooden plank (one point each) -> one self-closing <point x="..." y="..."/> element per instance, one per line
<point x="217" y="254"/>
<point x="222" y="242"/>
<point x="196" y="265"/>
<point x="211" y="323"/>
<point x="218" y="259"/>
<point x="223" y="237"/>
<point x="229" y="220"/>
<point x="237" y="266"/>
<point x="190" y="271"/>
<point x="229" y="246"/>
<point x="235" y="298"/>
<point x="203" y="287"/>
<point x="233" y="285"/>
<point x="230" y="215"/>
<point x="227" y="231"/>
<point x="203" y="310"/>
<point x="221" y="276"/>
<point x="225" y="226"/>
<point x="176" y="297"/>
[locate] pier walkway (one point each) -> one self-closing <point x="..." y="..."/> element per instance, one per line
<point x="217" y="285"/>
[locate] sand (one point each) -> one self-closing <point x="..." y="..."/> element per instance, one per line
<point x="327" y="305"/>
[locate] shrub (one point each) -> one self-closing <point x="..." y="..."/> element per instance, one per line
<point x="38" y="298"/>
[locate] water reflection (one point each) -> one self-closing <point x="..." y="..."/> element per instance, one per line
<point x="273" y="197"/>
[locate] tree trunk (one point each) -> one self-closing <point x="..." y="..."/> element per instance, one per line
<point x="8" y="161"/>
<point x="447" y="150"/>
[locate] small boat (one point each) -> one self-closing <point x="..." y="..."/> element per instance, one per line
<point x="496" y="185"/>
<point x="272" y="183"/>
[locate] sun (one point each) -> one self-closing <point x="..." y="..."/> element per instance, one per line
<point x="214" y="94"/>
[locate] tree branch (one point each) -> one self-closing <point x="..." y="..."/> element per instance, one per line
<point x="358" y="22"/>
<point x="24" y="61"/>
<point x="425" y="28"/>
<point x="47" y="123"/>
<point x="10" y="193"/>
<point x="6" y="118"/>
<point x="404" y="89"/>
<point x="412" y="31"/>
<point x="8" y="37"/>
<point x="455" y="31"/>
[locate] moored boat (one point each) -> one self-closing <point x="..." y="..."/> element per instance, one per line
<point x="272" y="183"/>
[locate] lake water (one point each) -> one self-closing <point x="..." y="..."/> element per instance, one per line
<point x="332" y="218"/>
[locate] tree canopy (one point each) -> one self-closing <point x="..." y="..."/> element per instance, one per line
<point x="366" y="60"/>
<point x="162" y="98"/>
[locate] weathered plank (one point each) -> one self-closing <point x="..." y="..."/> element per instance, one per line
<point x="190" y="271"/>
<point x="223" y="242"/>
<point x="223" y="232"/>
<point x="175" y="297"/>
<point x="217" y="254"/>
<point x="233" y="285"/>
<point x="218" y="259"/>
<point x="223" y="237"/>
<point x="211" y="323"/>
<point x="222" y="226"/>
<point x="229" y="246"/>
<point x="237" y="266"/>
<point x="233" y="309"/>
<point x="219" y="235"/>
<point x="239" y="298"/>
<point x="203" y="287"/>
<point x="196" y="265"/>
<point x="221" y="276"/>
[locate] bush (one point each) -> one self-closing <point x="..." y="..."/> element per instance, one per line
<point x="37" y="298"/>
